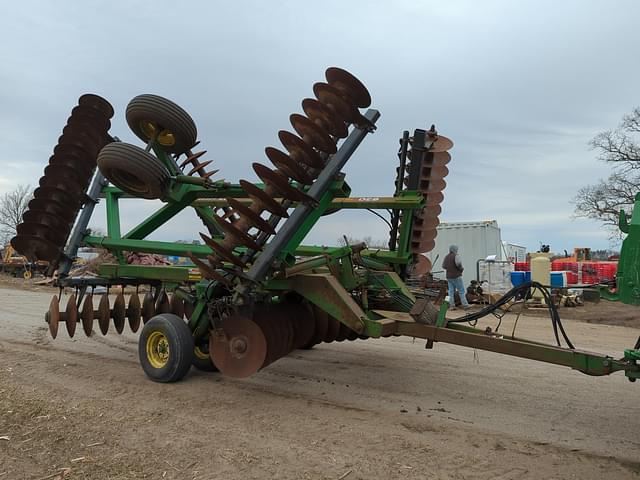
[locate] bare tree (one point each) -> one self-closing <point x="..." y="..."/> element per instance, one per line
<point x="12" y="205"/>
<point x="620" y="148"/>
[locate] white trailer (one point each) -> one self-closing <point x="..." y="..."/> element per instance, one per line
<point x="475" y="241"/>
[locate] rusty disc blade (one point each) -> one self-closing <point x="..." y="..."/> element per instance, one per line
<point x="322" y="325"/>
<point x="332" y="330"/>
<point x="427" y="235"/>
<point x="319" y="114"/>
<point x="262" y="319"/>
<point x="104" y="314"/>
<point x="239" y="235"/>
<point x="434" y="172"/>
<point x="119" y="313"/>
<point x="426" y="223"/>
<point x="313" y="134"/>
<point x="349" y="85"/>
<point x="176" y="306"/>
<point x="192" y="158"/>
<point x="433" y="211"/>
<point x="36" y="248"/>
<point x="442" y="144"/>
<point x="162" y="304"/>
<point x="223" y="252"/>
<point x="52" y="208"/>
<point x="207" y="270"/>
<point x="333" y="99"/>
<point x="353" y="335"/>
<point x="80" y="155"/>
<point x="432" y="186"/>
<point x="289" y="166"/>
<point x="251" y="216"/>
<point x="305" y="329"/>
<point x="57" y="195"/>
<point x="97" y="102"/>
<point x="263" y="199"/>
<point x="441" y="159"/>
<point x="68" y="173"/>
<point x="76" y="190"/>
<point x="422" y="247"/>
<point x="279" y="182"/>
<point x="241" y="350"/>
<point x="343" y="333"/>
<point x="148" y="307"/>
<point x="134" y="312"/>
<point x="434" y="199"/>
<point x="72" y="316"/>
<point x="300" y="150"/>
<point x="57" y="236"/>
<point x="87" y="315"/>
<point x="46" y="219"/>
<point x="85" y="169"/>
<point x="423" y="266"/>
<point x="53" y="316"/>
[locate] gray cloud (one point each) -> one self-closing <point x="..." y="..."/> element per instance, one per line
<point x="520" y="87"/>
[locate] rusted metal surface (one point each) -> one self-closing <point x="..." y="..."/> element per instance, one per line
<point x="65" y="182"/>
<point x="238" y="348"/>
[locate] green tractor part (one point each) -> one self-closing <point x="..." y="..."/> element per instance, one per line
<point x="627" y="288"/>
<point x="251" y="292"/>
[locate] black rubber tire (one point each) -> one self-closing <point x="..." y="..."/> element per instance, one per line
<point x="134" y="170"/>
<point x="201" y="359"/>
<point x="167" y="115"/>
<point x="180" y="342"/>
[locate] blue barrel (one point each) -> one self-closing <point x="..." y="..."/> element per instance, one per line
<point x="558" y="279"/>
<point x="518" y="278"/>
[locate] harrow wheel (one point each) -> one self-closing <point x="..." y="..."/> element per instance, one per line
<point x="166" y="348"/>
<point x="152" y="116"/>
<point x="201" y="358"/>
<point x="134" y="170"/>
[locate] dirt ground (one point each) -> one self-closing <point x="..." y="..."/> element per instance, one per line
<point x="82" y="409"/>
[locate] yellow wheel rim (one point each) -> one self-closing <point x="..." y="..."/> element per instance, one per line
<point x="27" y="275"/>
<point x="151" y="130"/>
<point x="158" y="349"/>
<point x="200" y="354"/>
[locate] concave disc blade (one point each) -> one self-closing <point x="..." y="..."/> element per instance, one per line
<point x="241" y="351"/>
<point x="322" y="325"/>
<point x="35" y="248"/>
<point x="313" y="133"/>
<point x="343" y="333"/>
<point x="434" y="199"/>
<point x="300" y="150"/>
<point x="119" y="313"/>
<point x="222" y="251"/>
<point x="332" y="330"/>
<point x="442" y="144"/>
<point x="134" y="312"/>
<point x="54" y="316"/>
<point x="148" y="307"/>
<point x="319" y="114"/>
<point x="289" y="166"/>
<point x="176" y="306"/>
<point x="280" y="183"/>
<point x="162" y="305"/>
<point x="333" y="99"/>
<point x="263" y="199"/>
<point x="87" y="315"/>
<point x="240" y="236"/>
<point x="251" y="216"/>
<point x="72" y="316"/>
<point x="349" y="85"/>
<point x="422" y="247"/>
<point x="104" y="314"/>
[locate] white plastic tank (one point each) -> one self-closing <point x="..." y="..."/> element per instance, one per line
<point x="540" y="271"/>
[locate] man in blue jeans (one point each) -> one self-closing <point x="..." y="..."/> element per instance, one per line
<point x="452" y="264"/>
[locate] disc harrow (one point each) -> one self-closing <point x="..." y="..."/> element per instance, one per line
<point x="253" y="293"/>
<point x="56" y="202"/>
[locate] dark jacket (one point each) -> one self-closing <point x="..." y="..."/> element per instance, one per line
<point x="449" y="264"/>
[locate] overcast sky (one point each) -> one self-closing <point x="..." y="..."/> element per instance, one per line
<point x="520" y="87"/>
